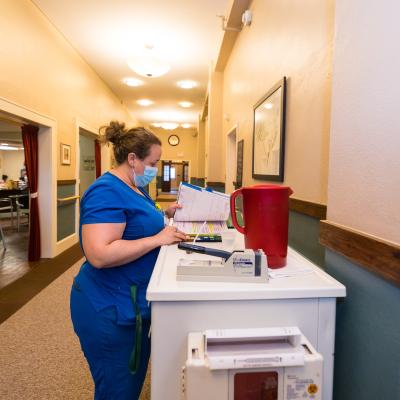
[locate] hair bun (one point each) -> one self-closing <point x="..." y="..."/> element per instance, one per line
<point x="114" y="132"/>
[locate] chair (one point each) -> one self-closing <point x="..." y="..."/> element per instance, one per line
<point x="6" y="205"/>
<point x="21" y="212"/>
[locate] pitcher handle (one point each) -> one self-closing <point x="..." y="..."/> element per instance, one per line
<point x="233" y="211"/>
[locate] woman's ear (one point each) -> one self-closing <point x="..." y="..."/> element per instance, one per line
<point x="131" y="159"/>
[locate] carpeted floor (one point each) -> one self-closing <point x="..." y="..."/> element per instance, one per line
<point x="40" y="356"/>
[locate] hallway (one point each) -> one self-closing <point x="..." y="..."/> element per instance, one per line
<point x="33" y="278"/>
<point x="13" y="260"/>
<point x="39" y="343"/>
<point x="73" y="66"/>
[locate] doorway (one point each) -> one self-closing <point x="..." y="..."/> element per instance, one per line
<point x="172" y="174"/>
<point x="231" y="162"/>
<point x="87" y="166"/>
<point x="47" y="165"/>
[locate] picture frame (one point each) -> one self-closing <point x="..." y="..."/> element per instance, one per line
<point x="269" y="134"/>
<point x="65" y="154"/>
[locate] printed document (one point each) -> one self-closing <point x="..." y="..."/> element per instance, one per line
<point x="199" y="205"/>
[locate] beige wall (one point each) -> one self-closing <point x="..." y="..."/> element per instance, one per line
<point x="214" y="161"/>
<point x="364" y="171"/>
<point x="42" y="72"/>
<point x="11" y="163"/>
<point x="292" y="39"/>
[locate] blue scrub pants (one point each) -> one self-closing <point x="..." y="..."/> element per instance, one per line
<point x="107" y="347"/>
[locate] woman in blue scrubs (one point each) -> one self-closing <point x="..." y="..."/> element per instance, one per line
<point x="121" y="232"/>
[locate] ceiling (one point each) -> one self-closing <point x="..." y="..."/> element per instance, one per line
<point x="186" y="34"/>
<point x="10" y="134"/>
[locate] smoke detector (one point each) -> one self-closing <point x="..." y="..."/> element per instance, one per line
<point x="247" y="16"/>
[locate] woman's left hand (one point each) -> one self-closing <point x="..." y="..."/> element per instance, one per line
<point x="170" y="211"/>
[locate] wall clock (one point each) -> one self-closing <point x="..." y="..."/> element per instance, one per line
<point x="173" y="140"/>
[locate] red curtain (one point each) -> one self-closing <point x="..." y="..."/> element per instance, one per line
<point x="97" y="157"/>
<point x="30" y="140"/>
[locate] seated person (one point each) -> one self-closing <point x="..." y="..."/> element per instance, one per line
<point x="3" y="178"/>
<point x="5" y="183"/>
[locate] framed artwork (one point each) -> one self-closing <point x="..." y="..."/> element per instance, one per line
<point x="269" y="134"/>
<point x="65" y="154"/>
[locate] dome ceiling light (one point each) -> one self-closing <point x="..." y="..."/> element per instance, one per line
<point x="148" y="64"/>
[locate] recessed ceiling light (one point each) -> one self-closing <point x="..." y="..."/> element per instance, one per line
<point x="7" y="147"/>
<point x="186" y="126"/>
<point x="4" y="144"/>
<point x="187" y="84"/>
<point x="132" y="82"/>
<point x="156" y="124"/>
<point x="144" y="102"/>
<point x="185" y="104"/>
<point x="268" y="106"/>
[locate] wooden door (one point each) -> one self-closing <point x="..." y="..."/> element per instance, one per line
<point x="166" y="176"/>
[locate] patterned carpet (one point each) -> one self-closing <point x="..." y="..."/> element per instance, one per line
<point x="40" y="356"/>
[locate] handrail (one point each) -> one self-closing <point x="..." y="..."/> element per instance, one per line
<point x="68" y="199"/>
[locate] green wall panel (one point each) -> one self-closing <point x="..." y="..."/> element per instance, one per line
<point x="303" y="237"/>
<point x="65" y="212"/>
<point x="367" y="354"/>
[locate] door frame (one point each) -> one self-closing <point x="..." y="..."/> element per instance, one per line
<point x="47" y="185"/>
<point x="79" y="124"/>
<point x="231" y="162"/>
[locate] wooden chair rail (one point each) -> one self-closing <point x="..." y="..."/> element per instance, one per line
<point x="315" y="210"/>
<point x="378" y="256"/>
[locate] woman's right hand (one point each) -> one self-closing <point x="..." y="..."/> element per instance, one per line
<point x="170" y="235"/>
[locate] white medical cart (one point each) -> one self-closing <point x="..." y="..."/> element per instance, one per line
<point x="306" y="299"/>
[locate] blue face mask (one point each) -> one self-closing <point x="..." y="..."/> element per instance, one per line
<point x="148" y="175"/>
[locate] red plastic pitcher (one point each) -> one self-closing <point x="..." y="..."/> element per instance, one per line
<point x="266" y="220"/>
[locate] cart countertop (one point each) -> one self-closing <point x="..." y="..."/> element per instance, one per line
<point x="164" y="286"/>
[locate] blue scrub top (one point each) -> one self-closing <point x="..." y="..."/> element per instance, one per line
<point x="110" y="200"/>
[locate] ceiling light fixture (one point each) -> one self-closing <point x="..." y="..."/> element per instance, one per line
<point x="186" y="126"/>
<point x="165" y="125"/>
<point x="145" y="102"/>
<point x="268" y="106"/>
<point x="133" y="82"/>
<point x="187" y="84"/>
<point x="148" y="64"/>
<point x="185" y="104"/>
<point x="7" y="147"/>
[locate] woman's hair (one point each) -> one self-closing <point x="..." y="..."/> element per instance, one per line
<point x="125" y="141"/>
